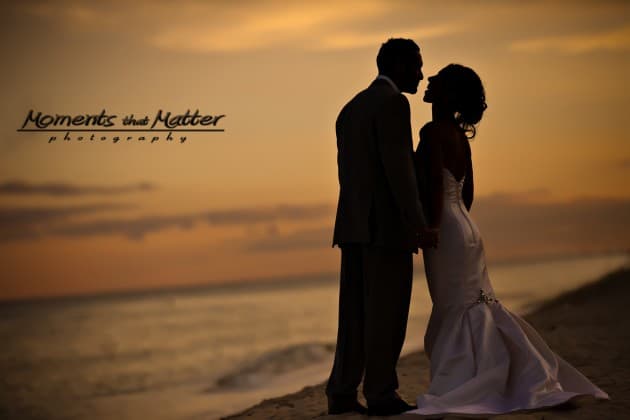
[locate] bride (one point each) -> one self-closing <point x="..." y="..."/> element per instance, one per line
<point x="484" y="359"/>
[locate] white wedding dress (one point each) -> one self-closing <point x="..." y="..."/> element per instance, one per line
<point x="484" y="359"/>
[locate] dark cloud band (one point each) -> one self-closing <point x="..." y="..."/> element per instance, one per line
<point x="66" y="189"/>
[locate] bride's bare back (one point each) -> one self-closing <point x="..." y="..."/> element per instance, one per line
<point x="443" y="145"/>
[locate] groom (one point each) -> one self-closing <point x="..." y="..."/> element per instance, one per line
<point x="379" y="225"/>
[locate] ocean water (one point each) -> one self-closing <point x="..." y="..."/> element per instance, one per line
<point x="204" y="353"/>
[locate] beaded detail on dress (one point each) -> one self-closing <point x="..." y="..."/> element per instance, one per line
<point x="486" y="297"/>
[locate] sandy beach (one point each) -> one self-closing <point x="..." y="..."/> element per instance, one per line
<point x="587" y="327"/>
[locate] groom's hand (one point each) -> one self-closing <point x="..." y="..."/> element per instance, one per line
<point x="428" y="238"/>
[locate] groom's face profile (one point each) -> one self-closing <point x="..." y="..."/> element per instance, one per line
<point x="411" y="74"/>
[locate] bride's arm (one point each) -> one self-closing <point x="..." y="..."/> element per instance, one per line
<point x="430" y="136"/>
<point x="468" y="190"/>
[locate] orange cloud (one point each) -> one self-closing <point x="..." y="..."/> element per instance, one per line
<point x="349" y="40"/>
<point x="612" y="40"/>
<point x="237" y="27"/>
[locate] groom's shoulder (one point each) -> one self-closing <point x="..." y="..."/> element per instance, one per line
<point x="382" y="89"/>
<point x="378" y="94"/>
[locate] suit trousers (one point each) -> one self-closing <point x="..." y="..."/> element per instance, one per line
<point x="374" y="297"/>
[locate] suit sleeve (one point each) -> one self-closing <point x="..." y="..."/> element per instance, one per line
<point x="394" y="139"/>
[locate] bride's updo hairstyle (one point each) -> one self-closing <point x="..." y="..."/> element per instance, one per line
<point x="467" y="96"/>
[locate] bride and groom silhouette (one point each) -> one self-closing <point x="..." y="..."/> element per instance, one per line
<point x="484" y="359"/>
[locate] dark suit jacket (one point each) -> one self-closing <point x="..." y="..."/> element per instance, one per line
<point x="378" y="193"/>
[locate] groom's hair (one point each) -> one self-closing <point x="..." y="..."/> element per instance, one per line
<point x="393" y="51"/>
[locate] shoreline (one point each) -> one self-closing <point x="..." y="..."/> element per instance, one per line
<point x="584" y="326"/>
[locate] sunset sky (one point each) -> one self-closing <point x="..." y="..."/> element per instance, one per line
<point x="552" y="154"/>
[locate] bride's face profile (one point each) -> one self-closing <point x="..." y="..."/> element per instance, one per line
<point x="435" y="92"/>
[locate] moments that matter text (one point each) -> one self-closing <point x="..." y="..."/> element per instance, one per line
<point x="103" y="122"/>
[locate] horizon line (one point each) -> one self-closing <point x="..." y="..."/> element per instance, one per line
<point x="265" y="282"/>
